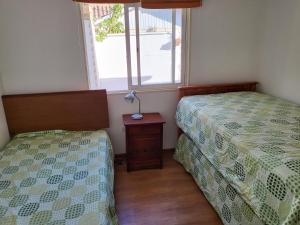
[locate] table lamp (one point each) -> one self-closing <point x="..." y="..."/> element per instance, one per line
<point x="130" y="97"/>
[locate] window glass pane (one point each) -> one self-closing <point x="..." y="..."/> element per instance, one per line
<point x="133" y="51"/>
<point x="178" y="45"/>
<point x="127" y="41"/>
<point x="110" y="45"/>
<point x="155" y="46"/>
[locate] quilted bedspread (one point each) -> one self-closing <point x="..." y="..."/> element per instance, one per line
<point x="57" y="177"/>
<point x="232" y="209"/>
<point x="253" y="140"/>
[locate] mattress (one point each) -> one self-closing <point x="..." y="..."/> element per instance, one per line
<point x="232" y="209"/>
<point x="57" y="177"/>
<point x="253" y="140"/>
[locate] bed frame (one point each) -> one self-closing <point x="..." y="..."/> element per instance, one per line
<point x="78" y="110"/>
<point x="214" y="89"/>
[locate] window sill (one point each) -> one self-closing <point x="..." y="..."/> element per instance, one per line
<point x="171" y="89"/>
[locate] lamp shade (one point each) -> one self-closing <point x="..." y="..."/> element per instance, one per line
<point x="130" y="96"/>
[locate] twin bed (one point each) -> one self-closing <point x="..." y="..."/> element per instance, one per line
<point x="242" y="148"/>
<point x="58" y="167"/>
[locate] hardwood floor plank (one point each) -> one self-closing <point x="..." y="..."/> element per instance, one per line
<point x="161" y="197"/>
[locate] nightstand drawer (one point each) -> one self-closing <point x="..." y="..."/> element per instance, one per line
<point x="144" y="130"/>
<point x="145" y="147"/>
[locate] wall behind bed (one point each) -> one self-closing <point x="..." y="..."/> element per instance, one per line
<point x="279" y="69"/>
<point x="41" y="46"/>
<point x="41" y="50"/>
<point x="4" y="136"/>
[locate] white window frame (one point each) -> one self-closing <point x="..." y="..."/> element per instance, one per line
<point x="94" y="82"/>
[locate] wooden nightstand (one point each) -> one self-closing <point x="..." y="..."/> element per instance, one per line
<point x="144" y="141"/>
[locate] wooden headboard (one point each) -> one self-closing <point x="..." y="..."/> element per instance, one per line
<point x="78" y="110"/>
<point x="215" y="89"/>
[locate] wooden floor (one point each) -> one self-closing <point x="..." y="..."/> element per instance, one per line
<point x="161" y="197"/>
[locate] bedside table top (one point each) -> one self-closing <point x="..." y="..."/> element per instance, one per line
<point x="149" y="118"/>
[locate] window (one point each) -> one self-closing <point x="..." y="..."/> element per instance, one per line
<point x="129" y="47"/>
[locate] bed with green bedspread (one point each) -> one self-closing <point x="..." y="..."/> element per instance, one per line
<point x="232" y="209"/>
<point x="57" y="177"/>
<point x="253" y="140"/>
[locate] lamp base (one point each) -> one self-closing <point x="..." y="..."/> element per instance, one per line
<point x="137" y="116"/>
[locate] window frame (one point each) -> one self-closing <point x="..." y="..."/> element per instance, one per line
<point x="185" y="54"/>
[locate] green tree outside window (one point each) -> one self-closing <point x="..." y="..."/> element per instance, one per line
<point x="110" y="25"/>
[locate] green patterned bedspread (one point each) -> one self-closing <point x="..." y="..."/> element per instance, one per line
<point x="232" y="209"/>
<point x="253" y="140"/>
<point x="57" y="177"/>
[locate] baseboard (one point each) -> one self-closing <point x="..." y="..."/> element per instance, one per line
<point x="121" y="158"/>
<point x="172" y="150"/>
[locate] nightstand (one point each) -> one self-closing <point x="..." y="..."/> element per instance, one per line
<point x="144" y="141"/>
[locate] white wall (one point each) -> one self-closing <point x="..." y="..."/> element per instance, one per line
<point x="41" y="46"/>
<point x="41" y="49"/>
<point x="279" y="68"/>
<point x="224" y="40"/>
<point x="4" y="136"/>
